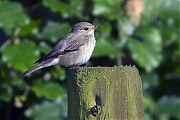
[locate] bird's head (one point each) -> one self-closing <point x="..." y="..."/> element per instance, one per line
<point x="84" y="27"/>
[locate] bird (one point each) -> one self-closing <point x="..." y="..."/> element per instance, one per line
<point x="74" y="49"/>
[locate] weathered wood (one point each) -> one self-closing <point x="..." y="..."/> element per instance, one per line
<point x="105" y="93"/>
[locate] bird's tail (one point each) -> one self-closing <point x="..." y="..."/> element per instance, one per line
<point x="40" y="65"/>
<point x="37" y="67"/>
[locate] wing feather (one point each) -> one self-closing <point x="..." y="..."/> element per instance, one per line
<point x="69" y="43"/>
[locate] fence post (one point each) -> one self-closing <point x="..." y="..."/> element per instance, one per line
<point x="105" y="93"/>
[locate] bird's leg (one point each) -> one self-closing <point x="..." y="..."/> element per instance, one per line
<point x="75" y="66"/>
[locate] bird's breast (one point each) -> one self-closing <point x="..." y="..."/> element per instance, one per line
<point x="86" y="50"/>
<point x="81" y="56"/>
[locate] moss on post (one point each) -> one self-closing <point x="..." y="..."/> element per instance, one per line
<point x="99" y="93"/>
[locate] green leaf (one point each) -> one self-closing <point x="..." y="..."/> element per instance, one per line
<point x="73" y="8"/>
<point x="150" y="11"/>
<point x="104" y="48"/>
<point x="125" y="27"/>
<point x="147" y="52"/>
<point x="170" y="35"/>
<point x="18" y="82"/>
<point x="169" y="105"/>
<point x="47" y="110"/>
<point x="147" y="116"/>
<point x="163" y="117"/>
<point x="5" y="92"/>
<point x="20" y="56"/>
<point x="44" y="47"/>
<point x="58" y="6"/>
<point x="149" y="80"/>
<point x="54" y="31"/>
<point x="58" y="72"/>
<point x="166" y="9"/>
<point x="12" y="14"/>
<point x="107" y="8"/>
<point x="50" y="90"/>
<point x="105" y="29"/>
<point x="30" y="28"/>
<point x="169" y="9"/>
<point x="77" y="8"/>
<point x="149" y="102"/>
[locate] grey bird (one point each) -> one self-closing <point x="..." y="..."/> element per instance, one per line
<point x="74" y="49"/>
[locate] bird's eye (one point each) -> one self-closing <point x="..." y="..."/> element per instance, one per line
<point x="86" y="28"/>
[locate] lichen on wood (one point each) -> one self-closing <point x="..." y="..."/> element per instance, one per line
<point x="98" y="93"/>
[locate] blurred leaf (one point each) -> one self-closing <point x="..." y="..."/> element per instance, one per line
<point x="149" y="80"/>
<point x="50" y="90"/>
<point x="59" y="72"/>
<point x="5" y="92"/>
<point x="12" y="14"/>
<point x="125" y="27"/>
<point x="44" y="47"/>
<point x="150" y="36"/>
<point x="169" y="105"/>
<point x="170" y="35"/>
<point x="104" y="48"/>
<point x="163" y="117"/>
<point x="104" y="44"/>
<point x="54" y="31"/>
<point x="78" y="7"/>
<point x="65" y="9"/>
<point x="104" y="30"/>
<point x="30" y="28"/>
<point x="168" y="9"/>
<point x="150" y="11"/>
<point x="20" y="56"/>
<point x="149" y="103"/>
<point x="147" y="52"/>
<point x="58" y="6"/>
<point x="18" y="82"/>
<point x="9" y="31"/>
<point x="147" y="116"/>
<point x="107" y="8"/>
<point x="55" y="110"/>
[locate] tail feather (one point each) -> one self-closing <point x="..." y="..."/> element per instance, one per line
<point x="37" y="67"/>
<point x="40" y="65"/>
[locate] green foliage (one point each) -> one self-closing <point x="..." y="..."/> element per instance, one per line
<point x="49" y="91"/>
<point x="15" y="54"/>
<point x="66" y="9"/>
<point x="169" y="105"/>
<point x="6" y="93"/>
<point x="11" y="10"/>
<point x="100" y="51"/>
<point x="148" y="50"/>
<point x="51" y="31"/>
<point x="30" y="30"/>
<point x="42" y="111"/>
<point x="107" y="8"/>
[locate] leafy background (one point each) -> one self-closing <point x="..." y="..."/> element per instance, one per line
<point x="142" y="33"/>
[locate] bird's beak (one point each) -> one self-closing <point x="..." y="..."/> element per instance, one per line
<point x="97" y="27"/>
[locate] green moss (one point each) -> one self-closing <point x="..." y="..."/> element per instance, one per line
<point x="117" y="90"/>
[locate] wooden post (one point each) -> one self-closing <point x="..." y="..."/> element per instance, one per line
<point x="105" y="93"/>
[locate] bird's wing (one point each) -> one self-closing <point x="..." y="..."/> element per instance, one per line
<point x="73" y="46"/>
<point x="66" y="45"/>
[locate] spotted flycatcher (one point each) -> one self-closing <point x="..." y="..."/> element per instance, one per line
<point x="73" y="50"/>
